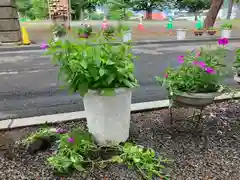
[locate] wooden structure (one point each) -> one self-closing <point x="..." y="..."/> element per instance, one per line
<point x="59" y="11"/>
<point x="9" y="24"/>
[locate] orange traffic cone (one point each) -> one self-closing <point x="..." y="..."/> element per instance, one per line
<point x="104" y="24"/>
<point x="140" y="25"/>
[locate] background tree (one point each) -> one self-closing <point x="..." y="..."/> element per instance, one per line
<point x="212" y="13"/>
<point x="148" y="6"/>
<point x="40" y="9"/>
<point x="24" y="7"/>
<point x="119" y="7"/>
<point x="193" y="6"/>
<point x="230" y="6"/>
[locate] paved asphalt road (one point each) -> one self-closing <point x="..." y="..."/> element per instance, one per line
<point x="28" y="80"/>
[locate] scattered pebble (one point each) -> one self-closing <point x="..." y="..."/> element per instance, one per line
<point x="208" y="153"/>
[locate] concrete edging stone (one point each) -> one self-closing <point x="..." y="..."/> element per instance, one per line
<point x="64" y="117"/>
<point x="4" y="48"/>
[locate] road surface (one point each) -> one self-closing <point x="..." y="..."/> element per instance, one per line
<point x="29" y="87"/>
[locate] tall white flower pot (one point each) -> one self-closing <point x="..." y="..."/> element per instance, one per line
<point x="55" y="38"/>
<point x="108" y="117"/>
<point x="127" y="36"/>
<point x="226" y="33"/>
<point x="181" y="34"/>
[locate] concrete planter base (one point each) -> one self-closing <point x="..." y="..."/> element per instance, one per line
<point x="181" y="34"/>
<point x="226" y="33"/>
<point x="108" y="117"/>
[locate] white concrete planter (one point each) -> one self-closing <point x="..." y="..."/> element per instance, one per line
<point x="108" y="117"/>
<point x="195" y="99"/>
<point x="237" y="78"/>
<point x="127" y="36"/>
<point x="226" y="33"/>
<point x="55" y="38"/>
<point x="181" y="34"/>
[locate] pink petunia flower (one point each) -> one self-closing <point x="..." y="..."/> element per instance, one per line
<point x="44" y="46"/>
<point x="223" y="41"/>
<point x="210" y="70"/>
<point x="70" y="140"/>
<point x="195" y="63"/>
<point x="202" y="64"/>
<point x="166" y="75"/>
<point x="61" y="131"/>
<point x="198" y="54"/>
<point x="181" y="59"/>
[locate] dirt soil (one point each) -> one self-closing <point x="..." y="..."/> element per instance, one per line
<point x="154" y="32"/>
<point x="210" y="152"/>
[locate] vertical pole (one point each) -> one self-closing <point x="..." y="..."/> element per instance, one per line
<point x="69" y="14"/>
<point x="49" y="10"/>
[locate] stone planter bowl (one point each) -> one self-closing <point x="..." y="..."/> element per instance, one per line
<point x="195" y="99"/>
<point x="198" y="32"/>
<point x="211" y="32"/>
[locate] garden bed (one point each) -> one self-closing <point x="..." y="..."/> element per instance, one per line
<point x="193" y="157"/>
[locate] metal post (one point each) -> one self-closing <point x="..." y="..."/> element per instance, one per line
<point x="49" y="10"/>
<point x="69" y="14"/>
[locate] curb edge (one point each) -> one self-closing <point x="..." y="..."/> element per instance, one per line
<point x="37" y="46"/>
<point x="71" y="116"/>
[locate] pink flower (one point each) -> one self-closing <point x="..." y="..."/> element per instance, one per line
<point x="195" y="63"/>
<point x="210" y="70"/>
<point x="166" y="75"/>
<point x="181" y="59"/>
<point x="70" y="140"/>
<point x="44" y="46"/>
<point x="202" y="64"/>
<point x="223" y="41"/>
<point x="198" y="54"/>
<point x="61" y="131"/>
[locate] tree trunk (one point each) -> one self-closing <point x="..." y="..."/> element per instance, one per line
<point x="230" y="6"/>
<point x="149" y="14"/>
<point x="81" y="12"/>
<point x="212" y="13"/>
<point x="196" y="16"/>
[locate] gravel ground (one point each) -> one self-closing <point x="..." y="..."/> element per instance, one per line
<point x="212" y="154"/>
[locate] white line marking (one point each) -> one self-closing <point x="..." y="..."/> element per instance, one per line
<point x="28" y="72"/>
<point x="63" y="117"/>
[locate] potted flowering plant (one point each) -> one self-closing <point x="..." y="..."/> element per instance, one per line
<point x="226" y="30"/>
<point x="58" y="31"/>
<point x="199" y="78"/>
<point x="108" y="31"/>
<point x="198" y="32"/>
<point x="212" y="31"/>
<point x="126" y="33"/>
<point x="84" y="31"/>
<point x="236" y="66"/>
<point x="104" y="76"/>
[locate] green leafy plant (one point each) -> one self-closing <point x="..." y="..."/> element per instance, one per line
<point x="199" y="72"/>
<point x="226" y="26"/>
<point x="43" y="132"/>
<point x="146" y="161"/>
<point x="109" y="30"/>
<point x="85" y="29"/>
<point x="59" y="30"/>
<point x="74" y="148"/>
<point x="123" y="28"/>
<point x="78" y="151"/>
<point x="212" y="29"/>
<point x="236" y="64"/>
<point x="101" y="67"/>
